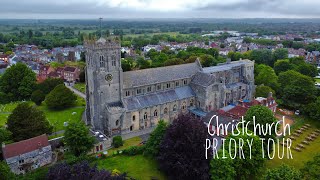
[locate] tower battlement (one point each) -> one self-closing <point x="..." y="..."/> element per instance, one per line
<point x="102" y="43"/>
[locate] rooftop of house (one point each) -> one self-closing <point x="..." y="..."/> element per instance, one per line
<point x="25" y="146"/>
<point x="70" y="69"/>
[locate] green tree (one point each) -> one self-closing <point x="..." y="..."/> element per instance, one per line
<point x="222" y="168"/>
<point x="313" y="109"/>
<point x="283" y="172"/>
<point x="37" y="97"/>
<point x="49" y="84"/>
<point x="296" y="89"/>
<point x="5" y="171"/>
<point x="280" y="53"/>
<point x="117" y="141"/>
<point x="282" y="66"/>
<point x="263" y="91"/>
<point x="311" y="169"/>
<point x="153" y="143"/>
<point x="247" y="167"/>
<point x="307" y="69"/>
<point x="78" y="139"/>
<point x="267" y="77"/>
<point x="27" y="121"/>
<point x="17" y="83"/>
<point x="262" y="56"/>
<point x="263" y="116"/>
<point x="60" y="97"/>
<point x="5" y="136"/>
<point x="207" y="60"/>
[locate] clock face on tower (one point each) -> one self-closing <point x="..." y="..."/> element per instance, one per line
<point x="109" y="77"/>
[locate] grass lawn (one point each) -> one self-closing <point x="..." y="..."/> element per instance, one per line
<point x="307" y="154"/>
<point x="127" y="143"/>
<point x="138" y="167"/>
<point x="317" y="80"/>
<point x="80" y="87"/>
<point x="56" y="118"/>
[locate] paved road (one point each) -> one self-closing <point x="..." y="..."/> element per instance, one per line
<point x="76" y="91"/>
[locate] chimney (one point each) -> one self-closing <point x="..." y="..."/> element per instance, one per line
<point x="228" y="60"/>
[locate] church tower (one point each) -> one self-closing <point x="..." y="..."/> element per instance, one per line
<point x="103" y="82"/>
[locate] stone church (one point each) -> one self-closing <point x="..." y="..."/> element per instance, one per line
<point x="123" y="102"/>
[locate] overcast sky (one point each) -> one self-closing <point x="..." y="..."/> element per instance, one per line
<point x="88" y="9"/>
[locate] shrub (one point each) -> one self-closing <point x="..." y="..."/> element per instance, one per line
<point x="134" y="150"/>
<point x="37" y="97"/>
<point x="117" y="141"/>
<point x="60" y="97"/>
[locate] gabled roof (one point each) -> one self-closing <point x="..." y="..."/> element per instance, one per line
<point x="154" y="99"/>
<point x="158" y="75"/>
<point x="70" y="69"/>
<point x="25" y="146"/>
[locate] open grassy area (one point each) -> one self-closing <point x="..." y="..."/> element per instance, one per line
<point x="138" y="167"/>
<point x="317" y="80"/>
<point x="80" y="87"/>
<point x="151" y="34"/>
<point x="56" y="118"/>
<point x="307" y="154"/>
<point x="127" y="143"/>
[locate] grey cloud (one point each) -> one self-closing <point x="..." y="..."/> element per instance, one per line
<point x="91" y="9"/>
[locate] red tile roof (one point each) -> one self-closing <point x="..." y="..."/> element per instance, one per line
<point x="25" y="146"/>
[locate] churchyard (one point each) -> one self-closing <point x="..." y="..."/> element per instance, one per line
<point x="137" y="166"/>
<point x="57" y="118"/>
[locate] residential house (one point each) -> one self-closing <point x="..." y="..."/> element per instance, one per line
<point x="313" y="57"/>
<point x="102" y="143"/>
<point x="4" y="57"/>
<point x="27" y="155"/>
<point x="3" y="66"/>
<point x="71" y="74"/>
<point x="237" y="111"/>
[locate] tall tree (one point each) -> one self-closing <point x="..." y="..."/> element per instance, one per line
<point x="78" y="139"/>
<point x="181" y="151"/>
<point x="279" y="53"/>
<point x="222" y="168"/>
<point x="262" y="56"/>
<point x="248" y="167"/>
<point x="60" y="97"/>
<point x="17" y="83"/>
<point x="267" y="77"/>
<point x="263" y="91"/>
<point x="27" y="121"/>
<point x="153" y="143"/>
<point x="282" y="65"/>
<point x="49" y="84"/>
<point x="263" y="116"/>
<point x="293" y="94"/>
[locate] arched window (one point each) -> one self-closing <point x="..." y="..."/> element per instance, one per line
<point x="174" y="108"/>
<point x="155" y="113"/>
<point x="191" y="102"/>
<point x="131" y="128"/>
<point x="102" y="65"/>
<point x="133" y="118"/>
<point x="184" y="106"/>
<point x="117" y="123"/>
<point x="165" y="111"/>
<point x="145" y="116"/>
